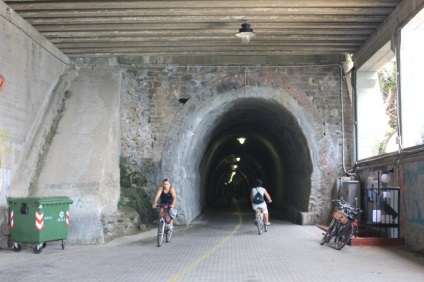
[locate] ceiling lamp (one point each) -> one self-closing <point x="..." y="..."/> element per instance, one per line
<point x="245" y="32"/>
<point x="241" y="140"/>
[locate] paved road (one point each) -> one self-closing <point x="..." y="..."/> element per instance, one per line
<point x="221" y="245"/>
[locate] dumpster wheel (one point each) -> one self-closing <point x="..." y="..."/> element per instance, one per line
<point x="37" y="248"/>
<point x="63" y="244"/>
<point x="17" y="247"/>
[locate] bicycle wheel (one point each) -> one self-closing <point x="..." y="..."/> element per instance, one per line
<point x="161" y="229"/>
<point x="344" y="236"/>
<point x="328" y="234"/>
<point x="168" y="234"/>
<point x="260" y="224"/>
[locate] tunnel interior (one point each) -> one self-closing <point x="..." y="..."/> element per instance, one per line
<point x="275" y="150"/>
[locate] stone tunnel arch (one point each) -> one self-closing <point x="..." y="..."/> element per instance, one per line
<point x="284" y="135"/>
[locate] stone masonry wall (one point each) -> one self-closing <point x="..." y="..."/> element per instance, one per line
<point x="150" y="107"/>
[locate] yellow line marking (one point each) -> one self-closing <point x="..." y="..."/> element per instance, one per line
<point x="210" y="252"/>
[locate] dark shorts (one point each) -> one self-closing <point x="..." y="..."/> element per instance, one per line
<point x="166" y="203"/>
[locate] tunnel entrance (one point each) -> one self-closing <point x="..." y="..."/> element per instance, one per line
<point x="274" y="149"/>
<point x="285" y="144"/>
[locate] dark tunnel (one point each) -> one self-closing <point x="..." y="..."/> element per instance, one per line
<point x="275" y="150"/>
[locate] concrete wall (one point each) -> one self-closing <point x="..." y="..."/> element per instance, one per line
<point x="59" y="130"/>
<point x="412" y="206"/>
<point x="35" y="82"/>
<point x="83" y="159"/>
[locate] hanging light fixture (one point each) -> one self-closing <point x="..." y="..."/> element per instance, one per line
<point x="245" y="32"/>
<point x="241" y="140"/>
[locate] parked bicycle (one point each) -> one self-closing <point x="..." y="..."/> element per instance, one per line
<point x="262" y="227"/>
<point x="343" y="224"/>
<point x="165" y="225"/>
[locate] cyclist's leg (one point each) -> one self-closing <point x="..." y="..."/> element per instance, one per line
<point x="265" y="214"/>
<point x="266" y="218"/>
<point x="164" y="210"/>
<point x="254" y="207"/>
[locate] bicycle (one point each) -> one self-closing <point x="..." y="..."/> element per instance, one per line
<point x="343" y="224"/>
<point x="165" y="226"/>
<point x="260" y="222"/>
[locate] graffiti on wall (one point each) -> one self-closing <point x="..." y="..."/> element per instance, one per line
<point x="5" y="174"/>
<point x="4" y="147"/>
<point x="413" y="192"/>
<point x="5" y="177"/>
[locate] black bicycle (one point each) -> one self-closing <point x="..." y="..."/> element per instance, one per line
<point x="343" y="224"/>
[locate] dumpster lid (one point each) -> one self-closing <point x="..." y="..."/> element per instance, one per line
<point x="41" y="200"/>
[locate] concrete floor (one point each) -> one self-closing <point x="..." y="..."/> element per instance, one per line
<point x="221" y="245"/>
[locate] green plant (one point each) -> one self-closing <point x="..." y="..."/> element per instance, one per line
<point x="388" y="87"/>
<point x="133" y="191"/>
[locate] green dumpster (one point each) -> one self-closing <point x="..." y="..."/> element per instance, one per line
<point x="39" y="220"/>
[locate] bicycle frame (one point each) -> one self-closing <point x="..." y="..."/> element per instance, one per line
<point x="164" y="227"/>
<point x="260" y="222"/>
<point x="342" y="226"/>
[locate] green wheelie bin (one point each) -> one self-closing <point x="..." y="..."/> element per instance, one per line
<point x="39" y="220"/>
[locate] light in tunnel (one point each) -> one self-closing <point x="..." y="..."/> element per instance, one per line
<point x="241" y="140"/>
<point x="234" y="167"/>
<point x="231" y="177"/>
<point x="238" y="159"/>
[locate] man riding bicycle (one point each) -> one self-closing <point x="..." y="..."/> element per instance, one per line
<point x="167" y="196"/>
<point x="260" y="205"/>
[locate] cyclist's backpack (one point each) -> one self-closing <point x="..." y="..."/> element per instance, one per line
<point x="258" y="198"/>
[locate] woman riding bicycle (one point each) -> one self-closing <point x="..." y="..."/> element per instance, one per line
<point x="263" y="205"/>
<point x="167" y="196"/>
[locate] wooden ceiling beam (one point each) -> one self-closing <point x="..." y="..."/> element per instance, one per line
<point x="207" y="49"/>
<point x="192" y="34"/>
<point x="20" y="5"/>
<point x="212" y="39"/>
<point x="206" y="43"/>
<point x="204" y="28"/>
<point x="227" y="20"/>
<point x="212" y="12"/>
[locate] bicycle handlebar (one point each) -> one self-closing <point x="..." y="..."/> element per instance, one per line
<point x="162" y="206"/>
<point x="345" y="205"/>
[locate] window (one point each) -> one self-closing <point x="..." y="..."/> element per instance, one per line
<point x="377" y="105"/>
<point x="412" y="74"/>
